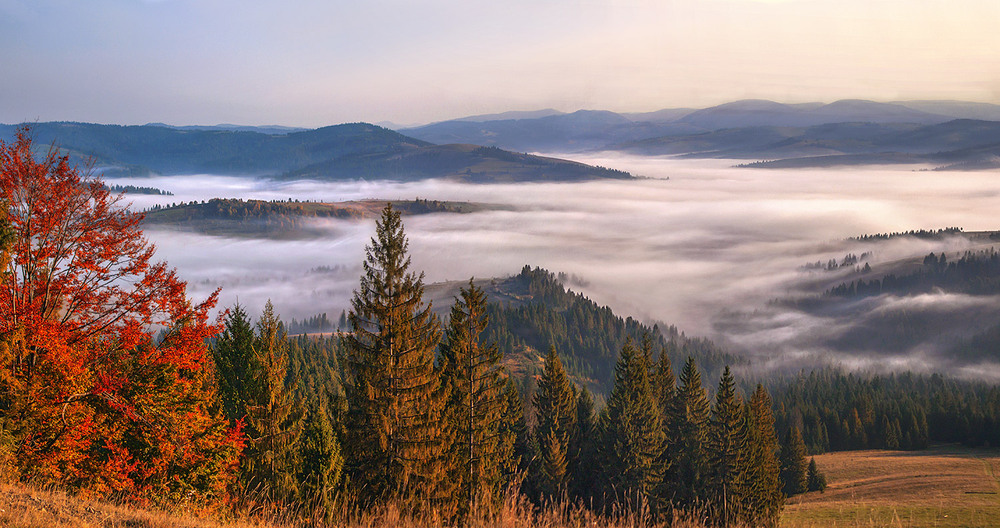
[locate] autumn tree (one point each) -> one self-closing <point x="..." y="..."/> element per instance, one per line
<point x="395" y="409"/>
<point x="471" y="374"/>
<point x="105" y="372"/>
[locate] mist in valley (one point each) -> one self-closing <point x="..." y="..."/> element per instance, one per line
<point x="697" y="244"/>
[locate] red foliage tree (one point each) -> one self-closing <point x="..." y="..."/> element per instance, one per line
<point x="105" y="377"/>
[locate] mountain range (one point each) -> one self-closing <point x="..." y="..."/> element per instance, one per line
<point x="340" y="152"/>
<point x="951" y="134"/>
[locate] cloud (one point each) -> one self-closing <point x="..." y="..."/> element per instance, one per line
<point x="707" y="249"/>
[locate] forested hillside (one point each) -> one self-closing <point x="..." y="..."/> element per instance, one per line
<point x="285" y="219"/>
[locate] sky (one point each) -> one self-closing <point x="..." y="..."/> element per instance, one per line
<point x="313" y="63"/>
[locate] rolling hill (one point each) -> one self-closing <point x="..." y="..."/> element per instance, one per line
<point x="349" y="151"/>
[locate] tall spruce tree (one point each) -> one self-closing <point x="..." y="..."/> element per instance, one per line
<point x="726" y="448"/>
<point x="395" y="407"/>
<point x="582" y="446"/>
<point x="690" y="421"/>
<point x="321" y="462"/>
<point x="555" y="408"/>
<point x="274" y="414"/>
<point x="471" y="375"/>
<point x="631" y="437"/>
<point x="251" y="369"/>
<point x="760" y="485"/>
<point x="665" y="388"/>
<point x="516" y="442"/>
<point x="793" y="463"/>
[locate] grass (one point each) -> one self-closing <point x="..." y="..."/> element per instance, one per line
<point x="944" y="486"/>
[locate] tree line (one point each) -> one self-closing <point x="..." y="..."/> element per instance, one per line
<point x="422" y="415"/>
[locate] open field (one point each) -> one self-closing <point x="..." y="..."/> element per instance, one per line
<point x="940" y="487"/>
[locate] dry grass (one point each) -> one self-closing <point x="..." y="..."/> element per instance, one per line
<point x="940" y="487"/>
<point x="25" y="506"/>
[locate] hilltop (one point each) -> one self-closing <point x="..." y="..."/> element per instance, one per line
<point x="341" y="152"/>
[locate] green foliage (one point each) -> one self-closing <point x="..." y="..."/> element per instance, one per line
<point x="793" y="463"/>
<point x="555" y="408"/>
<point x="727" y="445"/>
<point x="396" y="428"/>
<point x="251" y="371"/>
<point x="588" y="336"/>
<point x="321" y="462"/>
<point x="583" y="448"/>
<point x="471" y="376"/>
<point x="760" y="482"/>
<point x="689" y="423"/>
<point x="630" y="432"/>
<point x="815" y="480"/>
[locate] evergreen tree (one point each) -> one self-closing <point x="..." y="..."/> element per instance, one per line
<point x="515" y="441"/>
<point x="582" y="447"/>
<point x="274" y="414"/>
<point x="793" y="463"/>
<point x="665" y="388"/>
<point x="726" y="447"/>
<point x="760" y="483"/>
<point x="631" y="437"/>
<point x="321" y="461"/>
<point x="689" y="421"/>
<point x="815" y="481"/>
<point x="395" y="407"/>
<point x="555" y="407"/>
<point x="233" y="354"/>
<point x="470" y="372"/>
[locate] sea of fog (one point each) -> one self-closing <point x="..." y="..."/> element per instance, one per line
<point x="690" y="244"/>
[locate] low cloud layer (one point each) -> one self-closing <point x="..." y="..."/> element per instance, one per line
<point x="697" y="244"/>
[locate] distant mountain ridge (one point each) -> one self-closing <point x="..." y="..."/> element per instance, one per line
<point x="340" y="152"/>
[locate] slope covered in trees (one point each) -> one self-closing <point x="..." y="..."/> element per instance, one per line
<point x="286" y="219"/>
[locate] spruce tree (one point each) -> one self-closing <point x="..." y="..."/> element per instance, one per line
<point x="689" y="421"/>
<point x="726" y="447"/>
<point x="555" y="408"/>
<point x="233" y="352"/>
<point x="760" y="486"/>
<point x="471" y="374"/>
<point x="631" y="437"/>
<point x="515" y="441"/>
<point x="395" y="407"/>
<point x="793" y="463"/>
<point x="321" y="462"/>
<point x="665" y="388"/>
<point x="815" y="481"/>
<point x="274" y="414"/>
<point x="582" y="447"/>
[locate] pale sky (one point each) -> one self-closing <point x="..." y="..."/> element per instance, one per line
<point x="320" y="62"/>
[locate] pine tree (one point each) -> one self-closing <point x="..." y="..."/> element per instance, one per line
<point x="760" y="486"/>
<point x="515" y="441"/>
<point x="689" y="420"/>
<point x="582" y="447"/>
<point x="555" y="407"/>
<point x="395" y="407"/>
<point x="233" y="352"/>
<point x="793" y="463"/>
<point x="726" y="447"/>
<point x="631" y="437"/>
<point x="274" y="414"/>
<point x="321" y="462"/>
<point x="665" y="388"/>
<point x="471" y="374"/>
<point x="815" y="481"/>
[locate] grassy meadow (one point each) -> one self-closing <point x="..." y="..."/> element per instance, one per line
<point x="939" y="487"/>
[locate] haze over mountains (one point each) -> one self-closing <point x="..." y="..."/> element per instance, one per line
<point x="947" y="133"/>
